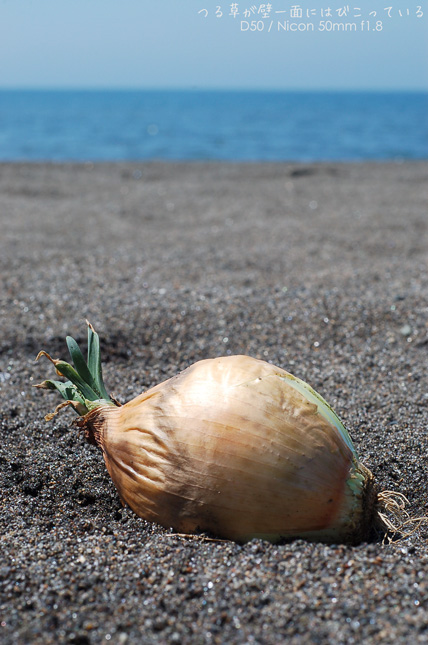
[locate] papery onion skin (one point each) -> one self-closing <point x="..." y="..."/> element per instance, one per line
<point x="238" y="448"/>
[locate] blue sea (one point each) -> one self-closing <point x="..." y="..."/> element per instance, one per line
<point x="212" y="125"/>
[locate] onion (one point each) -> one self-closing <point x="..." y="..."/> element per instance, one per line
<point x="232" y="446"/>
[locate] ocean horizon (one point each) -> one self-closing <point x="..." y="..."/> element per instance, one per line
<point x="220" y="125"/>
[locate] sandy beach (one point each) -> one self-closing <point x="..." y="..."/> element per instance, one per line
<point x="320" y="269"/>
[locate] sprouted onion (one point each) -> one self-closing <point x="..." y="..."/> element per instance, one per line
<point x="232" y="446"/>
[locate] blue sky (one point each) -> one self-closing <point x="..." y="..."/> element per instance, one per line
<point x="169" y="44"/>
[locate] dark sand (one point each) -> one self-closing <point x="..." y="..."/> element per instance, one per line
<point x="320" y="269"/>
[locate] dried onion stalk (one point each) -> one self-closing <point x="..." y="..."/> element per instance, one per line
<point x="232" y="446"/>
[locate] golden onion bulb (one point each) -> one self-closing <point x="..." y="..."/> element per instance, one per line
<point x="233" y="446"/>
